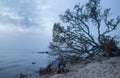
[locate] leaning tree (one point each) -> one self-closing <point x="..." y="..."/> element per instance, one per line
<point x="87" y="32"/>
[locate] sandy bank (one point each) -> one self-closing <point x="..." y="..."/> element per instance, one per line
<point x="107" y="68"/>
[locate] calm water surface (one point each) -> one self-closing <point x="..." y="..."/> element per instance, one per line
<point x="14" y="62"/>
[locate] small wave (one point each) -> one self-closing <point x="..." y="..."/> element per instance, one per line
<point x="7" y="67"/>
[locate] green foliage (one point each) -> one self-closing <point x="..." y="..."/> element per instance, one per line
<point x="109" y="45"/>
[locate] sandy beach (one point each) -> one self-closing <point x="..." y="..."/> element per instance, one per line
<point x="99" y="68"/>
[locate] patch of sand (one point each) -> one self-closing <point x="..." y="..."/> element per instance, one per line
<point x="107" y="68"/>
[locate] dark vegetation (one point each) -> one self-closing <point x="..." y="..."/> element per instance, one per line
<point x="44" y="52"/>
<point x="58" y="66"/>
<point x="23" y="75"/>
<point x="86" y="34"/>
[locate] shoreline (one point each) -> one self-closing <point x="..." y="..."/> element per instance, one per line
<point x="99" y="68"/>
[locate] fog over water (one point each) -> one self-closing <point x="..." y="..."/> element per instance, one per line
<point x="14" y="62"/>
<point x="26" y="27"/>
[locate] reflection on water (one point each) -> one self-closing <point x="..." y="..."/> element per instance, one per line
<point x="13" y="62"/>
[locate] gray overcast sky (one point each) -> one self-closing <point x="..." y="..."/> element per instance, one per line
<point x="27" y="24"/>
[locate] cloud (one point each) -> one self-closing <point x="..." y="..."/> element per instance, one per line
<point x="29" y="13"/>
<point x="18" y="12"/>
<point x="29" y="22"/>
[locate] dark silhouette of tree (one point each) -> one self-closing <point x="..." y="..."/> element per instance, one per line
<point x="86" y="32"/>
